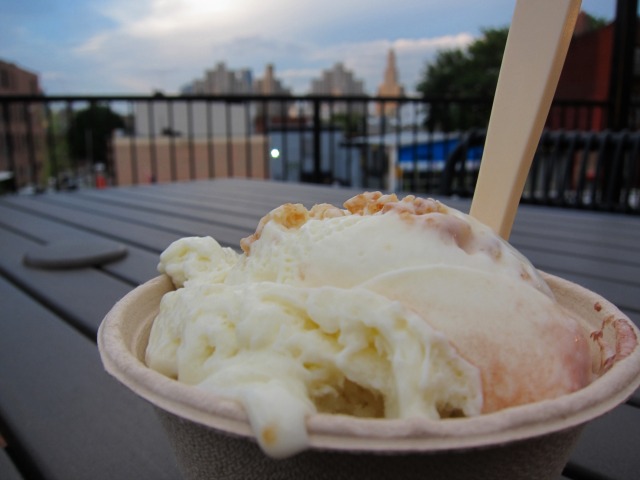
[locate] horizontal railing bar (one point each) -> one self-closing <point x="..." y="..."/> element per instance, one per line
<point x="240" y="98"/>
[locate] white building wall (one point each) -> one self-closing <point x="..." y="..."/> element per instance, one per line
<point x="294" y="157"/>
<point x="218" y="118"/>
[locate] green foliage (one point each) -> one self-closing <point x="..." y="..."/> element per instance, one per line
<point x="89" y="133"/>
<point x="56" y="157"/>
<point x="351" y="123"/>
<point x="469" y="73"/>
<point x="597" y="22"/>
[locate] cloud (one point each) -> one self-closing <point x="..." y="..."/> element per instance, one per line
<point x="94" y="45"/>
<point x="164" y="44"/>
<point x="368" y="59"/>
<point x="421" y="45"/>
<point x="52" y="76"/>
<point x="413" y="54"/>
<point x="124" y="46"/>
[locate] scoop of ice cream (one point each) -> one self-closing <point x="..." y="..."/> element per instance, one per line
<point x="376" y="234"/>
<point x="387" y="308"/>
<point x="287" y="352"/>
<point x="526" y="347"/>
<point x="193" y="258"/>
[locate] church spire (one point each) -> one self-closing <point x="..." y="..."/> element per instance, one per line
<point x="391" y="72"/>
<point x="390" y="86"/>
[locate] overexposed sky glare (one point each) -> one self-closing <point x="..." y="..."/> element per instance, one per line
<point x="137" y="46"/>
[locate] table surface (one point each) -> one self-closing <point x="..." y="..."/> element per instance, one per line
<point x="62" y="416"/>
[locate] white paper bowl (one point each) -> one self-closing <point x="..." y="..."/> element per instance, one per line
<point x="212" y="437"/>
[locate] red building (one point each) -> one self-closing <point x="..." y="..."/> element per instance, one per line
<point x="586" y="76"/>
<point x="21" y="127"/>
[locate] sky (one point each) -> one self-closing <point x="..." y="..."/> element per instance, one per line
<point x="139" y="46"/>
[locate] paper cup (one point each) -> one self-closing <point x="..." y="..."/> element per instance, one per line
<point x="212" y="437"/>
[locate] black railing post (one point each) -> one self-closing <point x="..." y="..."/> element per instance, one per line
<point x="414" y="150"/>
<point x="348" y="134"/>
<point x="398" y="172"/>
<point x="110" y="157"/>
<point x="266" y="109"/>
<point x="284" y="138"/>
<point x="190" y="136"/>
<point x="131" y="131"/>
<point x="33" y="168"/>
<point x="227" y="119"/>
<point x="247" y="140"/>
<point x="366" y="148"/>
<point x="171" y="133"/>
<point x="11" y="164"/>
<point x="332" y="150"/>
<point x="622" y="65"/>
<point x="210" y="144"/>
<point x="153" y="157"/>
<point x="53" y="160"/>
<point x="317" y="154"/>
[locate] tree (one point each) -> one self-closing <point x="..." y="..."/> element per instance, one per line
<point x="470" y="73"/>
<point x="57" y="159"/>
<point x="596" y="22"/>
<point x="89" y="134"/>
<point x="351" y="123"/>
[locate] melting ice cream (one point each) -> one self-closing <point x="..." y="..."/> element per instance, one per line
<point x="387" y="308"/>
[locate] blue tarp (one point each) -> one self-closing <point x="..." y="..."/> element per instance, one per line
<point x="437" y="151"/>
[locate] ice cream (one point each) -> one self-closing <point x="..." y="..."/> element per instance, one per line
<point x="387" y="309"/>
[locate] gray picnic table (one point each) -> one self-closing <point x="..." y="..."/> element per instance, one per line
<point x="62" y="417"/>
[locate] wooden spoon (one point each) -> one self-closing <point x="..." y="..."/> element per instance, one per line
<point x="536" y="47"/>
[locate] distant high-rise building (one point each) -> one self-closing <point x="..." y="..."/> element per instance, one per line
<point x="389" y="87"/>
<point x="21" y="128"/>
<point x="221" y="81"/>
<point x="270" y="85"/>
<point x="339" y="81"/>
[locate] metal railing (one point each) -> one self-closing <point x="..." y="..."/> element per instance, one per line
<point x="399" y="143"/>
<point x="588" y="170"/>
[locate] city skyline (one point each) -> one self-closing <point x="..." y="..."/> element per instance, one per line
<point x="119" y="46"/>
<point x="221" y="79"/>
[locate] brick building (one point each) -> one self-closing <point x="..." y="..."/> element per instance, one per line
<point x="21" y="128"/>
<point x="586" y="75"/>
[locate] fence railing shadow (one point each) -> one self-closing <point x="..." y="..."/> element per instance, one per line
<point x="589" y="170"/>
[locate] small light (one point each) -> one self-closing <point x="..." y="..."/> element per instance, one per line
<point x="275" y="153"/>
